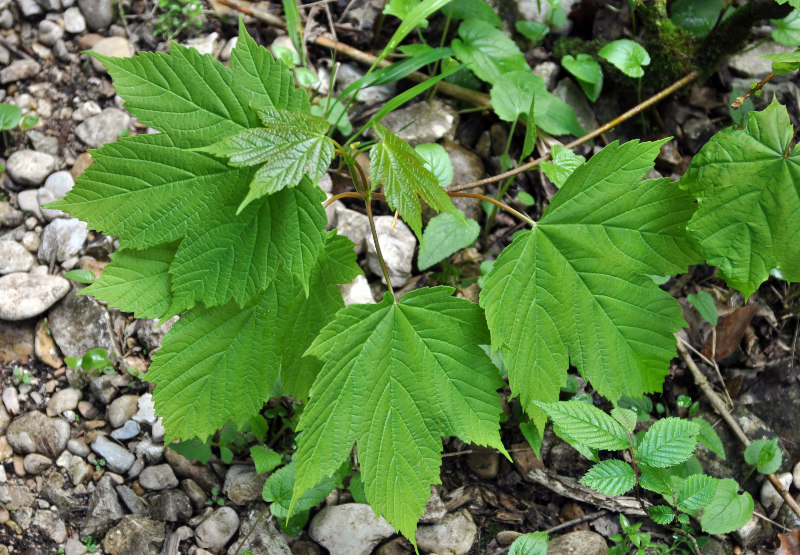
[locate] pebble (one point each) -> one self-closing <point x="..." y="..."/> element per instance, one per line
<point x="74" y="22"/>
<point x="435" y="509"/>
<point x="64" y="400"/>
<point x="243" y="484"/>
<point x="62" y="238"/>
<point x="29" y="167"/>
<point x="159" y="477"/>
<point x="455" y="534"/>
<point x="349" y="528"/>
<point x="45" y="196"/>
<point x="371" y="95"/>
<point x="11" y="399"/>
<point x="485" y="463"/>
<point x="34" y="432"/>
<point x="547" y="71"/>
<point x="122" y="409"/>
<point x="25" y="295"/>
<point x="34" y="463"/>
<point x="99" y="14"/>
<point x="149" y="451"/>
<point x="78" y="470"/>
<point x="752" y="63"/>
<point x="104" y="509"/>
<point x="28" y="201"/>
<point x="19" y="70"/>
<point x="59" y="183"/>
<point x="265" y="538"/>
<point x="47" y="352"/>
<point x="215" y="531"/>
<point x="204" y="45"/>
<point x="357" y="292"/>
<point x="31" y="241"/>
<point x="103" y="128"/>
<point x="580" y="541"/>
<point x="397" y="247"/>
<point x="52" y="526"/>
<point x="129" y="430"/>
<point x="49" y="32"/>
<point x="79" y="324"/>
<point x="50" y="5"/>
<point x="5" y="420"/>
<point x="353" y="225"/>
<point x="135" y="534"/>
<point x="29" y="8"/>
<point x="78" y="447"/>
<point x="9" y="217"/>
<point x="796" y="475"/>
<point x="16" y="341"/>
<point x="423" y="122"/>
<point x="118" y="459"/>
<point x="134" y="503"/>
<point x="769" y="496"/>
<point x="195" y="493"/>
<point x="170" y="505"/>
<point x="116" y="47"/>
<point x="14" y="258"/>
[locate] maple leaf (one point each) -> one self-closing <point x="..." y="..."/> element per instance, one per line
<point x="747" y="185"/>
<point x="396" y="377"/>
<point x="577" y="286"/>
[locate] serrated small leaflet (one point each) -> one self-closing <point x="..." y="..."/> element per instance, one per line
<point x="534" y="543"/>
<point x="587" y="424"/>
<point x="398" y="376"/>
<point x="405" y="179"/>
<point x="661" y="514"/>
<point x="611" y="477"/>
<point x="576" y="287"/>
<point x="668" y="442"/>
<point x="625" y="417"/>
<point x="696" y="492"/>
<point x="747" y="185"/>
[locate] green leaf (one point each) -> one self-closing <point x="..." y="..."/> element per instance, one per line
<point x="765" y="455"/>
<point x="444" y="235"/>
<point x="9" y="116"/>
<point x="532" y="30"/>
<point x="668" y="442"/>
<point x="657" y="480"/>
<point x="625" y="417"/>
<point x="708" y="437"/>
<point x="437" y="161"/>
<point x="149" y="193"/>
<point x="81" y="276"/>
<point x="661" y="514"/>
<point x="137" y="281"/>
<point x="747" y="185"/>
<point x="611" y="477"/>
<point x="421" y="55"/>
<point x="356" y="488"/>
<point x="696" y="492"/>
<point x="473" y="9"/>
<point x="193" y="449"/>
<point x="787" y="30"/>
<point x="793" y="3"/>
<point x="405" y="179"/>
<point x="402" y="8"/>
<point x="587" y="424"/>
<point x="334" y="112"/>
<point x="202" y="385"/>
<point x="534" y="543"/>
<point x="784" y="62"/>
<point x="588" y="73"/>
<point x="265" y="459"/>
<point x="740" y="115"/>
<point x="704" y="303"/>
<point x="487" y="51"/>
<point x="604" y="232"/>
<point x="289" y="146"/>
<point x="413" y="18"/>
<point x="513" y="94"/>
<point x="279" y="487"/>
<point x="397" y="377"/>
<point x="627" y="56"/>
<point x="728" y="510"/>
<point x="564" y="162"/>
<point x="696" y="16"/>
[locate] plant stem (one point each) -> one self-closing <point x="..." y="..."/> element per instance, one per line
<point x="736" y="104"/>
<point x="374" y="231"/>
<point x="498" y="203"/>
<point x="588" y="137"/>
<point x="346" y="194"/>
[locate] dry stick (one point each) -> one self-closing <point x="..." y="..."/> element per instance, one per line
<point x="722" y="410"/>
<point x="588" y="137"/>
<point x="449" y="89"/>
<point x="736" y="104"/>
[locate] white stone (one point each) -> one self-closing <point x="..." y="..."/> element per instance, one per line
<point x="204" y="45"/>
<point x="357" y="292"/>
<point x="353" y="225"/>
<point x="350" y="528"/>
<point x="215" y="531"/>
<point x="14" y="258"/>
<point x="770" y="499"/>
<point x="64" y="237"/>
<point x="117" y="47"/>
<point x="455" y="534"/>
<point x="29" y="167"/>
<point x="25" y="296"/>
<point x="397" y="246"/>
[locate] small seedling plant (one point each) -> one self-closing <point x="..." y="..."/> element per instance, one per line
<point x="220" y="219"/>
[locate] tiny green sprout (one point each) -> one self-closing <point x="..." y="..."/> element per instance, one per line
<point x="216" y="498"/>
<point x="28" y="122"/>
<point x="99" y="464"/>
<point x="91" y="545"/>
<point x="20" y="375"/>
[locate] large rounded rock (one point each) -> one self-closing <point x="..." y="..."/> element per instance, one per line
<point x="104" y="509"/>
<point x="397" y="246"/>
<point x="118" y="459"/>
<point x="99" y="14"/>
<point x="215" y="531"/>
<point x="30" y="167"/>
<point x="157" y="478"/>
<point x="135" y="534"/>
<point x="350" y="528"/>
<point x="14" y="258"/>
<point x="243" y="484"/>
<point x="80" y="324"/>
<point x="62" y="239"/>
<point x="454" y="534"/>
<point x="34" y="432"/>
<point x="580" y="541"/>
<point x="25" y="296"/>
<point x="264" y="538"/>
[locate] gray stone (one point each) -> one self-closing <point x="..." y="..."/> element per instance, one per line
<point x="215" y="531"/>
<point x="78" y="470"/>
<point x="135" y="534"/>
<point x="357" y="292"/>
<point x="787" y="517"/>
<point x="56" y="491"/>
<point x="160" y="477"/>
<point x="62" y="238"/>
<point x="31" y="241"/>
<point x="49" y="32"/>
<point x="50" y="5"/>
<point x="59" y="183"/>
<point x="29" y="167"/>
<point x="195" y="493"/>
<point x="770" y="499"/>
<point x="146" y="412"/>
<point x="25" y="295"/>
<point x="205" y="45"/>
<point x="134" y="503"/>
<point x="454" y="534"/>
<point x="150" y="333"/>
<point x="34" y="432"/>
<point x="118" y="459"/>
<point x="74" y="22"/>
<point x="423" y="122"/>
<point x="115" y="47"/>
<point x="129" y="430"/>
<point x="149" y="451"/>
<point x="103" y="128"/>
<point x="74" y="547"/>
<point x="467" y="167"/>
<point x="353" y="225"/>
<point x="79" y="324"/>
<point x="397" y="247"/>
<point x="371" y="95"/>
<point x="170" y="505"/>
<point x="45" y="196"/>
<point x="568" y="91"/>
<point x="52" y="526"/>
<point x="19" y="70"/>
<point x="28" y="201"/>
<point x="34" y="463"/>
<point x="99" y="14"/>
<point x="243" y="484"/>
<point x="11" y="399"/>
<point x="7" y="19"/>
<point x="105" y="387"/>
<point x="547" y="71"/>
<point x="78" y="447"/>
<point x="435" y="509"/>
<point x="580" y="541"/>
<point x="14" y="258"/>
<point x="9" y="217"/>
<point x="350" y="528"/>
<point x="104" y="510"/>
<point x="122" y="409"/>
<point x="184" y="468"/>
<point x="752" y="64"/>
<point x="63" y="400"/>
<point x="754" y="532"/>
<point x="265" y="538"/>
<point x="29" y="8"/>
<point x="42" y="142"/>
